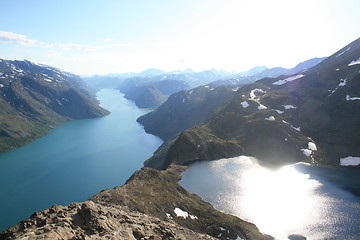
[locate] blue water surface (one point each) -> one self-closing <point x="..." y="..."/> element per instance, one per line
<point x="74" y="161"/>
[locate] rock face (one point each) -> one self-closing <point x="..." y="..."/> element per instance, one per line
<point x="35" y="98"/>
<point x="151" y="205"/>
<point x="311" y="116"/>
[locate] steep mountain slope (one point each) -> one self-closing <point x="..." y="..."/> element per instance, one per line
<point x="185" y="109"/>
<point x="311" y="116"/>
<point x="151" y="205"/>
<point x="35" y="98"/>
<point x="152" y="95"/>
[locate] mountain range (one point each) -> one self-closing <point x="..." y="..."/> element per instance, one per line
<point x="152" y="87"/>
<point x="307" y="116"/>
<point x="35" y="98"/>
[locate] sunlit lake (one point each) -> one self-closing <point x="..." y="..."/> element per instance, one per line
<point x="296" y="199"/>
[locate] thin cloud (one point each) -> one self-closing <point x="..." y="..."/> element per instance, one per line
<point x="73" y="46"/>
<point x="14" y="38"/>
<point x="108" y="40"/>
<point x="23" y="40"/>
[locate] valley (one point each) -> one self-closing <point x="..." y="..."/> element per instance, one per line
<point x="303" y="120"/>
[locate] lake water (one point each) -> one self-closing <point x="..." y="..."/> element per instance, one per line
<point x="74" y="161"/>
<point x="313" y="201"/>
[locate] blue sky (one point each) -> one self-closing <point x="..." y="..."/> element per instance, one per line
<point x="109" y="36"/>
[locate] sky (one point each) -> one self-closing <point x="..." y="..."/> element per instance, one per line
<point x="116" y="36"/>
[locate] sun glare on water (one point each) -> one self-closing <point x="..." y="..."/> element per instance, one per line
<point x="280" y="202"/>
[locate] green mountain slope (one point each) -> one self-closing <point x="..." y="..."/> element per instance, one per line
<point x="152" y="94"/>
<point x="185" y="109"/>
<point x="35" y="98"/>
<point x="311" y="116"/>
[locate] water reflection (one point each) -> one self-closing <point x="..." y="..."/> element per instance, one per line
<point x="280" y="202"/>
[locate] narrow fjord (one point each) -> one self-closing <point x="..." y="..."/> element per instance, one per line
<point x="74" y="161"/>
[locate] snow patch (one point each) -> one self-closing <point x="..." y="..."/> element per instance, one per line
<point x="235" y="89"/>
<point x="306" y="152"/>
<point x="191" y="91"/>
<point x="206" y="86"/>
<point x="239" y="238"/>
<point x="184" y="214"/>
<point x="287" y="107"/>
<point x="181" y="213"/>
<point x="261" y="107"/>
<point x="341" y="84"/>
<point x="354" y="62"/>
<point x="312" y="146"/>
<point x="348" y="98"/>
<point x="48" y="80"/>
<point x="244" y="104"/>
<point x="310" y="149"/>
<point x="279" y="111"/>
<point x="168" y="215"/>
<point x="252" y="93"/>
<point x="271" y="118"/>
<point x="1" y="85"/>
<point x="350" y="161"/>
<point x="289" y="79"/>
<point x="343" y="52"/>
<point x="295" y="128"/>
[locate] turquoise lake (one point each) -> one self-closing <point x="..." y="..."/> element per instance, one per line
<point x="75" y="160"/>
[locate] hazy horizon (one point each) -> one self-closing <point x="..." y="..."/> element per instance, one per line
<point x="89" y="37"/>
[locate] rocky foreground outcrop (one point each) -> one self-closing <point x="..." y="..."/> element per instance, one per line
<point x="151" y="205"/>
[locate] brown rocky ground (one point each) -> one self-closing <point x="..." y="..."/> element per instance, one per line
<point x="148" y="206"/>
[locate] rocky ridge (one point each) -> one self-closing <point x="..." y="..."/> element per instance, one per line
<point x="151" y="205"/>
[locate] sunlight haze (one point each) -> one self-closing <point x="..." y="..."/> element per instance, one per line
<point x="100" y="37"/>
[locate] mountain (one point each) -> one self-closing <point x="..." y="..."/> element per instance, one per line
<point x="194" y="79"/>
<point x="150" y="72"/>
<point x="107" y="81"/>
<point x="255" y="74"/>
<point x="35" y="98"/>
<point x="310" y="116"/>
<point x="184" y="110"/>
<point x="253" y="71"/>
<point x="151" y="205"/>
<point x="153" y="94"/>
<point x="114" y="80"/>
